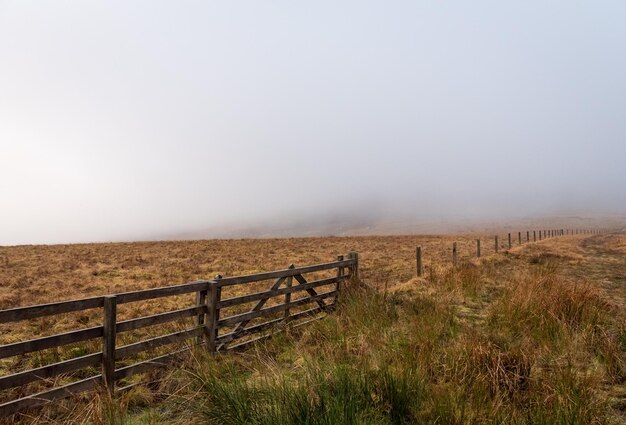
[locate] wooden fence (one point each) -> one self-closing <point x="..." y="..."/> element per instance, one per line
<point x="543" y="234"/>
<point x="213" y="328"/>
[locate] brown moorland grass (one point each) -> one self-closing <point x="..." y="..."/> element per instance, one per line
<point x="41" y="274"/>
<point x="520" y="337"/>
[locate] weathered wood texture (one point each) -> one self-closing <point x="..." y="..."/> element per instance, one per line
<point x="418" y="258"/>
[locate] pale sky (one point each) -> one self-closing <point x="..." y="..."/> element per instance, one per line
<point x="123" y="120"/>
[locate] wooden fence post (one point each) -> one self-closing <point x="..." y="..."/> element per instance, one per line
<point x="418" y="258"/>
<point x="213" y="313"/>
<point x="353" y="255"/>
<point x="497" y="247"/>
<point x="510" y="244"/>
<point x="454" y="254"/>
<point x="339" y="278"/>
<point x="478" y="248"/>
<point x="534" y="236"/>
<point x="108" y="342"/>
<point x="519" y="238"/>
<point x="527" y="236"/>
<point x="201" y="319"/>
<point x="288" y="282"/>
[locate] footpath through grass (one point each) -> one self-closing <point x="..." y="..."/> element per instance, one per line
<point x="522" y="337"/>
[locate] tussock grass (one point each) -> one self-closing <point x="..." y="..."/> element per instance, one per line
<point x="404" y="357"/>
<point x="509" y="339"/>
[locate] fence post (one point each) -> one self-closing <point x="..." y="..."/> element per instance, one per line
<point x="478" y="248"/>
<point x="510" y="244"/>
<point x="534" y="236"/>
<point x="213" y="313"/>
<point x="418" y="258"/>
<point x="519" y="238"/>
<point x="108" y="342"/>
<point x="454" y="256"/>
<point x="288" y="282"/>
<point x="497" y="247"/>
<point x="339" y="278"/>
<point x="353" y="255"/>
<point x="201" y="301"/>
<point x="527" y="236"/>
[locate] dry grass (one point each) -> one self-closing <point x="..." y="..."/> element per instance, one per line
<point x="535" y="335"/>
<point x="41" y="274"/>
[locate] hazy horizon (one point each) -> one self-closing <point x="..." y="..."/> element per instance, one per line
<point x="143" y="120"/>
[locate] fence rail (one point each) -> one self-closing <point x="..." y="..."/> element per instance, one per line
<point x="212" y="331"/>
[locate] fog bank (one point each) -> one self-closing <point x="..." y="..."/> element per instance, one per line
<point x="148" y="120"/>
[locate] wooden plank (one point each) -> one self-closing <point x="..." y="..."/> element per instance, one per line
<point x="170" y="316"/>
<point x="108" y="342"/>
<point x="201" y="297"/>
<point x="167" y="291"/>
<point x="35" y="311"/>
<point x="45" y="397"/>
<point x="354" y="268"/>
<point x="145" y="366"/>
<point x="339" y="286"/>
<point x="288" y="283"/>
<point x="138" y="347"/>
<point x="49" y="342"/>
<point x="246" y="317"/>
<point x="49" y="371"/>
<point x="229" y="302"/>
<point x="302" y="281"/>
<point x="262" y="302"/>
<point x="262" y="337"/>
<point x="284" y="273"/>
<point x="212" y="317"/>
<point x="226" y="338"/>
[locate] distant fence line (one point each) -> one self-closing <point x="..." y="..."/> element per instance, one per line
<point x="536" y="236"/>
<point x="206" y="332"/>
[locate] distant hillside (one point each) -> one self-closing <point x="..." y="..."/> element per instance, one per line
<point x="362" y="225"/>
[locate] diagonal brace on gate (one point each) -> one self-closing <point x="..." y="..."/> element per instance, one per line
<point x="241" y="327"/>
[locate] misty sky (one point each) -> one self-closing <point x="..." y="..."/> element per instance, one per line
<point x="126" y="120"/>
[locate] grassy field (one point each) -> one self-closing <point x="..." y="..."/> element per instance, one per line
<point x="534" y="335"/>
<point x="42" y="274"/>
